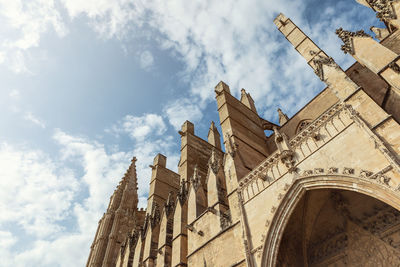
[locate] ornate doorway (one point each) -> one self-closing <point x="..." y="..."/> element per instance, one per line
<point x="334" y="227"/>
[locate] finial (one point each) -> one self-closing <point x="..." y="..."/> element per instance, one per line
<point x="182" y="192"/>
<point x="196" y="178"/>
<point x="347" y="37"/>
<point x="214" y="162"/>
<point x="213" y="136"/>
<point x="169" y="204"/>
<point x="283" y="118"/>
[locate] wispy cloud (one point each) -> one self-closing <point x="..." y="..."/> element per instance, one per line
<point x="32" y="118"/>
<point x="140" y="128"/>
<point x="181" y="110"/>
<point x="23" y="24"/>
<point x="14" y="94"/>
<point x="146" y="60"/>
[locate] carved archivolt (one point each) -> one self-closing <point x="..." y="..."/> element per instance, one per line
<point x="378" y="177"/>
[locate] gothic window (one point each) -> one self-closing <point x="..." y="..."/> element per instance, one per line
<point x="302" y="125"/>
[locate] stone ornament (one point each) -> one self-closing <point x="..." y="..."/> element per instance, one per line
<point x="385" y="9"/>
<point x="378" y="177"/>
<point x="395" y="67"/>
<point x="347" y="38"/>
<point x="321" y="60"/>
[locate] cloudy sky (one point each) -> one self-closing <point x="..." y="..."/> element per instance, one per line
<point x="86" y="85"/>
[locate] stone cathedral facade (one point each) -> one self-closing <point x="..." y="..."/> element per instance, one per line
<point x="322" y="190"/>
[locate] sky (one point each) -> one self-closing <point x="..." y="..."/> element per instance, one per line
<point x="87" y="85"/>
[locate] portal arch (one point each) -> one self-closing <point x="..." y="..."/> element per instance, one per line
<point x="304" y="184"/>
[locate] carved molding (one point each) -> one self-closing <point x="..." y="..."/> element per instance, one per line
<point x="378" y="177"/>
<point x="347" y="38"/>
<point x="310" y="131"/>
<point x="268" y="172"/>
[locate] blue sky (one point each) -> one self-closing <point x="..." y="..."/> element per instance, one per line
<point x="86" y="85"/>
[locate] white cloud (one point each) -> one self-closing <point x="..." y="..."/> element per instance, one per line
<point x="146" y="60"/>
<point x="140" y="127"/>
<point x="22" y="24"/>
<point x="149" y="135"/>
<point x="32" y="118"/>
<point x="223" y="40"/>
<point x="44" y="199"/>
<point x="14" y="94"/>
<point x="35" y="193"/>
<point x="109" y="18"/>
<point x="181" y="110"/>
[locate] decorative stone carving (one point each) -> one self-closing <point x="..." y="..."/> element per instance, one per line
<point x="214" y="162"/>
<point x="182" y="194"/>
<point x="302" y="125"/>
<point x="288" y="158"/>
<point x="348" y="171"/>
<point x="318" y="170"/>
<point x="394" y="67"/>
<point x="347" y="38"/>
<point x="155" y="216"/>
<point x="286" y="187"/>
<point x="265" y="177"/>
<point x="308" y="172"/>
<point x="169" y="205"/>
<point x="225" y="219"/>
<point x="333" y="170"/>
<point x="321" y="60"/>
<point x="365" y="174"/>
<point x="381" y="220"/>
<point x="381" y="178"/>
<point x="368" y="250"/>
<point x="231" y="147"/>
<point x="195" y="180"/>
<point x="384" y="8"/>
<point x="328" y="246"/>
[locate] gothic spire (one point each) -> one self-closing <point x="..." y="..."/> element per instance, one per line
<point x="283" y="118"/>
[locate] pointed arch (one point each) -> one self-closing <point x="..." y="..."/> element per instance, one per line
<point x="302" y="125"/>
<point x="298" y="189"/>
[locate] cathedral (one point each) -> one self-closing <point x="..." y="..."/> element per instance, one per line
<point x="322" y="190"/>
